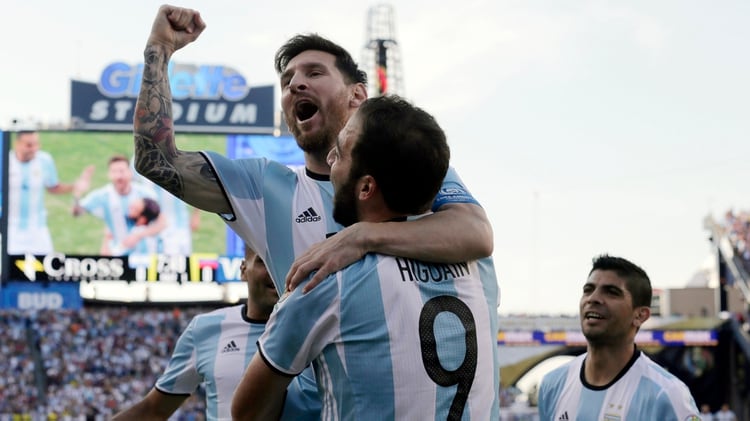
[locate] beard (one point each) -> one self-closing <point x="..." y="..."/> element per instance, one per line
<point x="604" y="335"/>
<point x="344" y="204"/>
<point x="312" y="143"/>
<point x="321" y="141"/>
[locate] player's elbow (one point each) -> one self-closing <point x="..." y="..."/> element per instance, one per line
<point x="140" y="165"/>
<point x="485" y="239"/>
<point x="476" y="229"/>
<point x="240" y="409"/>
<point x="251" y="409"/>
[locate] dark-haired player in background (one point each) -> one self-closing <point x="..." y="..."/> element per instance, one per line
<point x="614" y="379"/>
<point x="213" y="350"/>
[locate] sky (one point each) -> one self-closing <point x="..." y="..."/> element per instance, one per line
<point x="582" y="127"/>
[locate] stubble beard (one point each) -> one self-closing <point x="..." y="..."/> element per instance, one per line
<point x="320" y="142"/>
<point x="344" y="206"/>
<point x="604" y="336"/>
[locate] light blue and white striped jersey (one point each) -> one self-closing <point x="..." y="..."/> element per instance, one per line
<point x="642" y="391"/>
<point x="214" y="350"/>
<point x="107" y="204"/>
<point x="280" y="211"/>
<point x="394" y="339"/>
<point x="27" y="183"/>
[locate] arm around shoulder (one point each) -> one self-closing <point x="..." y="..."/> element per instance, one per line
<point x="456" y="232"/>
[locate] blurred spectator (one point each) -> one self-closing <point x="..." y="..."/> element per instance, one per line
<point x="706" y="414"/>
<point x="725" y="414"/>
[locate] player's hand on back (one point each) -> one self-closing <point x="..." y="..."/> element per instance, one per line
<point x="326" y="257"/>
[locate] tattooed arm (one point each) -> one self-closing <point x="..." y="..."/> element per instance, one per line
<point x="187" y="175"/>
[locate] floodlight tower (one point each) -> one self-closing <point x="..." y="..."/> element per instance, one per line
<point x="381" y="56"/>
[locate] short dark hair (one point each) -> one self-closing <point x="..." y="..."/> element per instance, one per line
<point x="305" y="42"/>
<point x="116" y="158"/>
<point x="636" y="279"/>
<point x="151" y="209"/>
<point x="404" y="149"/>
<point x="24" y="132"/>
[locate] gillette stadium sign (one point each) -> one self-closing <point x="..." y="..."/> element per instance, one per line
<point x="205" y="99"/>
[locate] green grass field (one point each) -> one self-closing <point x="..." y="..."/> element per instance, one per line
<point x="73" y="151"/>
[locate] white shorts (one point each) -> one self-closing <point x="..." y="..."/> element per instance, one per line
<point x="36" y="241"/>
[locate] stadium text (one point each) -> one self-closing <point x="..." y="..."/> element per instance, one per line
<point x="186" y="81"/>
<point x="209" y="112"/>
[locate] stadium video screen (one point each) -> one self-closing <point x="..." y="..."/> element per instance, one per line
<point x="103" y="235"/>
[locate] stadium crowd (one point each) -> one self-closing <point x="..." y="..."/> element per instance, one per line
<point x="89" y="363"/>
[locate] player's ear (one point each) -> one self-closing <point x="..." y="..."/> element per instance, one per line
<point x="366" y="187"/>
<point x="641" y="315"/>
<point x="358" y="95"/>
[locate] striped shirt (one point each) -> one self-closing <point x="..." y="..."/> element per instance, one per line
<point x="394" y="339"/>
<point x="108" y="205"/>
<point x="642" y="391"/>
<point x="280" y="211"/>
<point x="27" y="183"/>
<point x="213" y="350"/>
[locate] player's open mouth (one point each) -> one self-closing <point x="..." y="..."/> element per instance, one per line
<point x="592" y="315"/>
<point x="305" y="110"/>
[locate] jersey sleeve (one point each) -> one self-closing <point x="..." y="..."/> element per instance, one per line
<point x="453" y="190"/>
<point x="675" y="403"/>
<point x="181" y="375"/>
<point x="301" y="326"/>
<point x="260" y="193"/>
<point x="243" y="184"/>
<point x="544" y="399"/>
<point x="550" y="388"/>
<point x="241" y="179"/>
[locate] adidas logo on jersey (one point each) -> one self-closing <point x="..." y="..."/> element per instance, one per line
<point x="563" y="417"/>
<point x="230" y="347"/>
<point x="308" y="216"/>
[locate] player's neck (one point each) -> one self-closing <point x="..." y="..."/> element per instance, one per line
<point x="605" y="362"/>
<point x="317" y="164"/>
<point x="253" y="312"/>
